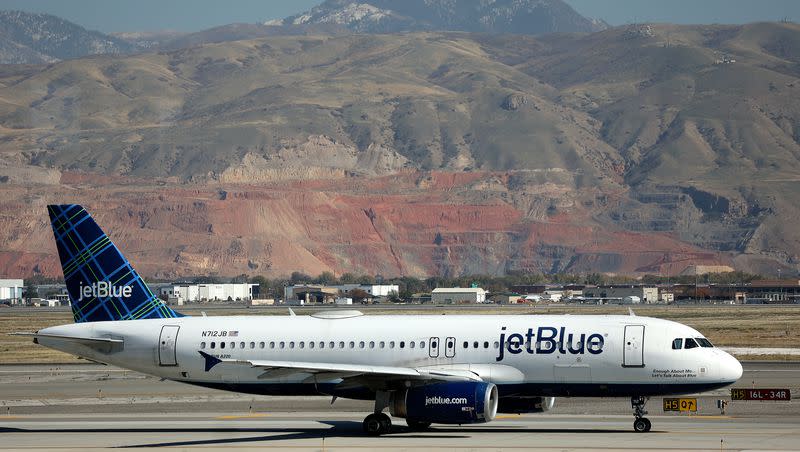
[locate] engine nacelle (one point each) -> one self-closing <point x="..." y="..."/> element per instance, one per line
<point x="446" y="403"/>
<point x="525" y="404"/>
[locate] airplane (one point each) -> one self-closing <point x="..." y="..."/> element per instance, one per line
<point x="427" y="369"/>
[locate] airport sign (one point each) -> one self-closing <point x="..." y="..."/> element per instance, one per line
<point x="671" y="404"/>
<point x="760" y="394"/>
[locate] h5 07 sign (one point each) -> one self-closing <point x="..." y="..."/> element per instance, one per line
<point x="760" y="394"/>
<point x="680" y="404"/>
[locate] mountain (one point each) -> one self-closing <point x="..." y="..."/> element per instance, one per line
<point x="645" y="148"/>
<point x="495" y="16"/>
<point x="30" y="38"/>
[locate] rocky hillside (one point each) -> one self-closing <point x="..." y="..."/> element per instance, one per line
<point x="29" y="38"/>
<point x="651" y="147"/>
<point x="497" y="16"/>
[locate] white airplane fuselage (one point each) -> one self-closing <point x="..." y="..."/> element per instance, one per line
<point x="524" y="355"/>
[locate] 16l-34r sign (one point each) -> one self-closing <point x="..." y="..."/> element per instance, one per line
<point x="760" y="394"/>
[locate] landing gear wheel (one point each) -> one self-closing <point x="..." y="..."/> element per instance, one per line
<point x="417" y="426"/>
<point x="640" y="425"/>
<point x="377" y="424"/>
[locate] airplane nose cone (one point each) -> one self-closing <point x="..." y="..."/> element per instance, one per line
<point x="731" y="368"/>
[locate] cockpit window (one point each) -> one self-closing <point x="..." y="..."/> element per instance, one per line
<point x="704" y="342"/>
<point x="677" y="344"/>
<point x="690" y="343"/>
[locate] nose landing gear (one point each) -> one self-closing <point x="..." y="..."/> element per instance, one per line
<point x="641" y="424"/>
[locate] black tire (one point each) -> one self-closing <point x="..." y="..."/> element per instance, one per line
<point x="417" y="426"/>
<point x="386" y="423"/>
<point x="372" y="425"/>
<point x="649" y="425"/>
<point x="640" y="425"/>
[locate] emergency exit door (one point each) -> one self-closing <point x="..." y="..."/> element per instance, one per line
<point x="450" y="347"/>
<point x="166" y="345"/>
<point x="433" y="347"/>
<point x="633" y="350"/>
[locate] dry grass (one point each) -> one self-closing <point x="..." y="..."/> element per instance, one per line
<point x="741" y="326"/>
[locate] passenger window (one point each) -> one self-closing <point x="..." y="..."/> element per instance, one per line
<point x="202" y="345"/>
<point x="496" y="344"/>
<point x="677" y="344"/>
<point x="213" y="345"/>
<point x="233" y="344"/>
<point x="310" y="344"/>
<point x="261" y="345"/>
<point x="341" y="344"/>
<point x="382" y="344"/>
<point x="422" y="344"/>
<point x="475" y="344"/>
<point x="241" y="345"/>
<point x="252" y="345"/>
<point x="412" y="344"/>
<point x="361" y="344"/>
<point x="690" y="343"/>
<point x="272" y="344"/>
<point x="322" y="344"/>
<point x="402" y="344"/>
<point x="391" y="344"/>
<point x="486" y="344"/>
<point x="466" y="344"/>
<point x="371" y="344"/>
<point x="352" y="344"/>
<point x="291" y="344"/>
<point x="221" y="345"/>
<point x="283" y="344"/>
<point x="331" y="344"/>
<point x="302" y="344"/>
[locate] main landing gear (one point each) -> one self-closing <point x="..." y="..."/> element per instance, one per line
<point x="641" y="424"/>
<point x="378" y="423"/>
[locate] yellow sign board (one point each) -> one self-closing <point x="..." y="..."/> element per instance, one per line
<point x="680" y="405"/>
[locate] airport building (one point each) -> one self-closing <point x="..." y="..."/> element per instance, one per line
<point x="182" y="293"/>
<point x="11" y="290"/>
<point x="451" y="295"/>
<point x="623" y="293"/>
<point x="317" y="293"/>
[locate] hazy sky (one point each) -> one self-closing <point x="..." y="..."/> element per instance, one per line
<point x="193" y="15"/>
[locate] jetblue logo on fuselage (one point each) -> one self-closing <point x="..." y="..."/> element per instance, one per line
<point x="104" y="289"/>
<point x="547" y="340"/>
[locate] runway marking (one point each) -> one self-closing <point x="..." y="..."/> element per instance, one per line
<point x="243" y="416"/>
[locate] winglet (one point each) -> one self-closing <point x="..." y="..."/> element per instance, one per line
<point x="630" y="311"/>
<point x="211" y="361"/>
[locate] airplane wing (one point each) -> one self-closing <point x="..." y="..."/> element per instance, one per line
<point x="330" y="371"/>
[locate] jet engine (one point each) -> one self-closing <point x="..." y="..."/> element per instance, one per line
<point x="446" y="403"/>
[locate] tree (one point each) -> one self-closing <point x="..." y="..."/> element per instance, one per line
<point x="298" y="277"/>
<point x="347" y="278"/>
<point x="358" y="295"/>
<point x="326" y="278"/>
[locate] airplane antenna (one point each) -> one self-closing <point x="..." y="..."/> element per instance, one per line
<point x="630" y="311"/>
<point x="291" y="313"/>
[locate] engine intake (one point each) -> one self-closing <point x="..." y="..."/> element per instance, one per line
<point x="518" y="405"/>
<point x="446" y="403"/>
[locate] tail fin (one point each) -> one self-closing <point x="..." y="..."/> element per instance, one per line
<point x="102" y="284"/>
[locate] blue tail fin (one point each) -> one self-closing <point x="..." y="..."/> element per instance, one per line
<point x="102" y="284"/>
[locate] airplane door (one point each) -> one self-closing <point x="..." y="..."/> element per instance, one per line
<point x="433" y="347"/>
<point x="633" y="351"/>
<point x="450" y="347"/>
<point x="166" y="345"/>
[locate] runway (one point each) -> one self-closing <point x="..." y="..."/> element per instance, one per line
<point x="79" y="407"/>
<point x="326" y="431"/>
